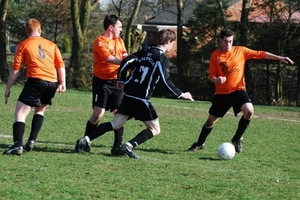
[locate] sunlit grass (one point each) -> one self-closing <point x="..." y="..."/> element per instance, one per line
<point x="267" y="169"/>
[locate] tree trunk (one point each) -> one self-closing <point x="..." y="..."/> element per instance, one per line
<point x="127" y="40"/>
<point x="220" y="5"/>
<point x="298" y="86"/>
<point x="3" y="56"/>
<point x="80" y="14"/>
<point x="244" y="22"/>
<point x="180" y="12"/>
<point x="243" y="32"/>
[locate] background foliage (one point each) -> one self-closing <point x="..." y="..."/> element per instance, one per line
<point x="267" y="81"/>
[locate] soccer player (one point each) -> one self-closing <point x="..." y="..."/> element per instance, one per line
<point x="227" y="72"/>
<point x="45" y="72"/>
<point x="146" y="68"/>
<point x="108" y="52"/>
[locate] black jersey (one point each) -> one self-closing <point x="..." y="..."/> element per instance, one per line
<point x="146" y="68"/>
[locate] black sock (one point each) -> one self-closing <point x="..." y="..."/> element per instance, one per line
<point x="142" y="137"/>
<point x="100" y="130"/>
<point x="118" y="137"/>
<point x="36" y="124"/>
<point x="243" y="124"/>
<point x="18" y="133"/>
<point x="203" y="134"/>
<point x="89" y="127"/>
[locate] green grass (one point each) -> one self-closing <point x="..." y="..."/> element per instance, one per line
<point x="267" y="169"/>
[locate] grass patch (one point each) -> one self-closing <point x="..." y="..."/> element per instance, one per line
<point x="267" y="169"/>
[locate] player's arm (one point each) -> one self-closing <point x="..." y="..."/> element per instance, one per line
<point x="114" y="60"/>
<point x="13" y="74"/>
<point x="127" y="64"/>
<point x="213" y="72"/>
<point x="271" y="56"/>
<point x="168" y="83"/>
<point x="62" y="80"/>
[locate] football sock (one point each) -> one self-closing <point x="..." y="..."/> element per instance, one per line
<point x="89" y="127"/>
<point x="18" y="132"/>
<point x="118" y="137"/>
<point x="36" y="125"/>
<point x="204" y="133"/>
<point x="242" y="126"/>
<point x="142" y="137"/>
<point x="100" y="130"/>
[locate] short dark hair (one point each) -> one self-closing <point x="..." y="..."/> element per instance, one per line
<point x="166" y="34"/>
<point x="110" y="20"/>
<point x="226" y="33"/>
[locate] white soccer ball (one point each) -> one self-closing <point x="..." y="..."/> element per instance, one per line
<point x="226" y="151"/>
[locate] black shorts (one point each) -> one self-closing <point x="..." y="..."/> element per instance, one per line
<point x="140" y="109"/>
<point x="221" y="103"/>
<point x="105" y="94"/>
<point x="37" y="92"/>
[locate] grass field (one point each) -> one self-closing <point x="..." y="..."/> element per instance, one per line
<point x="267" y="169"/>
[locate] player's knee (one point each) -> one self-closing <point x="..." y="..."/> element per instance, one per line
<point x="249" y="114"/>
<point x="156" y="131"/>
<point x="210" y="124"/>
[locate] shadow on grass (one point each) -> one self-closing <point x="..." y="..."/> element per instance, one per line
<point x="156" y="151"/>
<point x="210" y="158"/>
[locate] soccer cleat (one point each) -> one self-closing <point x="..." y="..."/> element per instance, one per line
<point x="125" y="149"/>
<point x="82" y="145"/>
<point x="115" y="150"/>
<point x="87" y="148"/>
<point x="29" y="145"/>
<point x="195" y="147"/>
<point x="237" y="145"/>
<point x="14" y="150"/>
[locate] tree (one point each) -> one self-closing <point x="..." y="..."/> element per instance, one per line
<point x="280" y="22"/>
<point x="130" y="21"/>
<point x="244" y="21"/>
<point x="80" y="15"/>
<point x="3" y="56"/>
<point x="180" y="59"/>
<point x="221" y="10"/>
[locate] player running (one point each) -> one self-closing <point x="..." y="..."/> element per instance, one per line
<point x="146" y="68"/>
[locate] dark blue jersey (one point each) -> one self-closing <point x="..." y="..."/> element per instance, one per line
<point x="146" y="68"/>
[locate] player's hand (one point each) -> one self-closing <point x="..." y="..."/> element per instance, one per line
<point x="187" y="95"/>
<point x="61" y="89"/>
<point x="120" y="85"/>
<point x="6" y="95"/>
<point x="287" y="60"/>
<point x="222" y="79"/>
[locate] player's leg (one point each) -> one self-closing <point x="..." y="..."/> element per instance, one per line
<point x="99" y="100"/>
<point x="117" y="122"/>
<point x="113" y="103"/>
<point x="153" y="129"/>
<point x="47" y="91"/>
<point x="118" y="139"/>
<point x="29" y="97"/>
<point x="36" y="124"/>
<point x="144" y="111"/>
<point x="98" y="113"/>
<point x="243" y="124"/>
<point x="244" y="104"/>
<point x="21" y="112"/>
<point x="220" y="105"/>
<point x="205" y="131"/>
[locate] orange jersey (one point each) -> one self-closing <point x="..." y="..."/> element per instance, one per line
<point x="41" y="58"/>
<point x="102" y="49"/>
<point x="231" y="64"/>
